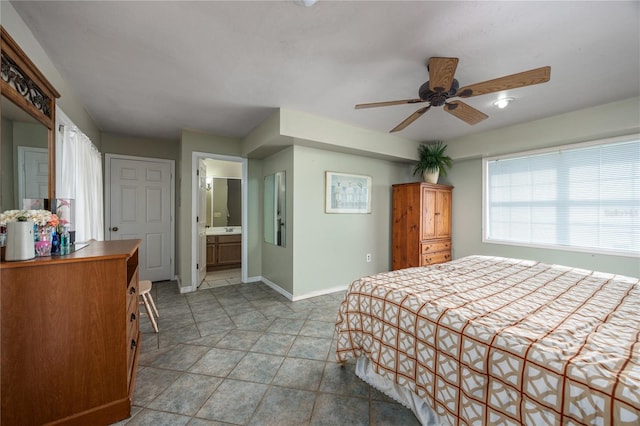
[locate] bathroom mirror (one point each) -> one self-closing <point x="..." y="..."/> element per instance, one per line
<point x="28" y="121"/>
<point x="224" y="202"/>
<point x="275" y="209"/>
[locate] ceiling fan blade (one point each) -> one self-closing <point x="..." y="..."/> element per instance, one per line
<point x="521" y="79"/>
<point x="389" y="103"/>
<point x="465" y="112"/>
<point x="413" y="117"/>
<point x="441" y="71"/>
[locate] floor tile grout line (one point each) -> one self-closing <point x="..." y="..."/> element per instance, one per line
<point x="317" y="392"/>
<point x="306" y="318"/>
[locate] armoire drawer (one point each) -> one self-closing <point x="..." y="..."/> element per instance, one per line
<point x="435" y="247"/>
<point x="433" y="258"/>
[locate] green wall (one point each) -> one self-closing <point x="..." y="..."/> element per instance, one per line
<point x="277" y="261"/>
<point x="615" y="119"/>
<point x="254" y="218"/>
<point x="330" y="249"/>
<point x="326" y="252"/>
<point x="166" y="149"/>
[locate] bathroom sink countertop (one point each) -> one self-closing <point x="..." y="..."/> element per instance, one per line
<point x="232" y="230"/>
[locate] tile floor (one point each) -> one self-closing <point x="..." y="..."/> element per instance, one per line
<point x="242" y="354"/>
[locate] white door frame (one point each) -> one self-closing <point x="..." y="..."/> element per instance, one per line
<point x="194" y="211"/>
<point x="201" y="227"/>
<point x="172" y="185"/>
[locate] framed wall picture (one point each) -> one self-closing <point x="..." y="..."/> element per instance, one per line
<point x="347" y="193"/>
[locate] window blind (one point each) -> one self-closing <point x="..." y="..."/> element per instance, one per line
<point x="584" y="197"/>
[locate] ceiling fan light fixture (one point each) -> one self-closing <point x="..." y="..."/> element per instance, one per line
<point x="503" y="102"/>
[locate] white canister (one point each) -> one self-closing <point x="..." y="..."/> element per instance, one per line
<point x="20" y="241"/>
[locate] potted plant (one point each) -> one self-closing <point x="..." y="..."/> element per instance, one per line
<point x="432" y="162"/>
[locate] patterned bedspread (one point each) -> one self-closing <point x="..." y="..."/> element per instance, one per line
<point x="488" y="340"/>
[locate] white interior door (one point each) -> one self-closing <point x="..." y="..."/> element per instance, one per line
<point x="33" y="173"/>
<point x="140" y="208"/>
<point x="202" y="221"/>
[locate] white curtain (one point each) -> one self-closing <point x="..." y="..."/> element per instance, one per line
<point x="80" y="178"/>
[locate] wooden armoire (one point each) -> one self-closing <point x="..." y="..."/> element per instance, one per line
<point x="421" y="232"/>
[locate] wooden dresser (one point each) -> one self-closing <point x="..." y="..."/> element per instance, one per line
<point x="421" y="233"/>
<point x="70" y="336"/>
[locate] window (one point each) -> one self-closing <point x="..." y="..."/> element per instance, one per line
<point x="79" y="177"/>
<point x="583" y="197"/>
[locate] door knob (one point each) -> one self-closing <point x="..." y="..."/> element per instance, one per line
<point x="115" y="228"/>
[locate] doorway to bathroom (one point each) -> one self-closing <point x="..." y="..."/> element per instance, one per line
<point x="219" y="231"/>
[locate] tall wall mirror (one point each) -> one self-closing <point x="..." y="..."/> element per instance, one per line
<point x="27" y="150"/>
<point x="224" y="202"/>
<point x="275" y="209"/>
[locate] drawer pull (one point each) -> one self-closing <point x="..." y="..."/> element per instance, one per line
<point x="132" y="290"/>
<point x="133" y="344"/>
<point x="133" y="317"/>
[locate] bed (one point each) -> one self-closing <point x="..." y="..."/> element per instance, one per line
<point x="489" y="340"/>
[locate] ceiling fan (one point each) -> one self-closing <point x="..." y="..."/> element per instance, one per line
<point x="442" y="86"/>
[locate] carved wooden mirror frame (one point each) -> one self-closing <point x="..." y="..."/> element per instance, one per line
<point x="23" y="84"/>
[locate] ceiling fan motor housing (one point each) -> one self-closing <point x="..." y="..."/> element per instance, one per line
<point x="437" y="97"/>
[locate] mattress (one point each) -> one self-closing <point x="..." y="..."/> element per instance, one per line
<point x="490" y="340"/>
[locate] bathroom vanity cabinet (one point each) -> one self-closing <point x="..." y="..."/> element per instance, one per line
<point x="224" y="251"/>
<point x="70" y="336"/>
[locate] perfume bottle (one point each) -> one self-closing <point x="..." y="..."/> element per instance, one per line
<point x="65" y="243"/>
<point x="55" y="241"/>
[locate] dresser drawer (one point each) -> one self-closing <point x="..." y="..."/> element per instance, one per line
<point x="133" y="315"/>
<point x="211" y="239"/>
<point x="133" y="318"/>
<point x="132" y="347"/>
<point x="435" y="247"/>
<point x="235" y="238"/>
<point x="433" y="258"/>
<point x="132" y="296"/>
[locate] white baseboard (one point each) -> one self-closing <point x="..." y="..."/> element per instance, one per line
<point x="277" y="288"/>
<point x="183" y="290"/>
<point x="319" y="293"/>
<point x="293" y="298"/>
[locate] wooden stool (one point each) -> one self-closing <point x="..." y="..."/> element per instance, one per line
<point x="145" y="293"/>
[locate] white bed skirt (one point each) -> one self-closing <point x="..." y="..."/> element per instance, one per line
<point x="423" y="412"/>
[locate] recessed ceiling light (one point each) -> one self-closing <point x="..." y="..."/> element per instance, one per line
<point x="503" y="102"/>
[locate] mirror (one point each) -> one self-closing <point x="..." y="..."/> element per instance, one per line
<point x="28" y="105"/>
<point x="25" y="157"/>
<point x="224" y="202"/>
<point x="275" y="209"/>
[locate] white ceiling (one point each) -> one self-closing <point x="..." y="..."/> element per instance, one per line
<point x="150" y="69"/>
